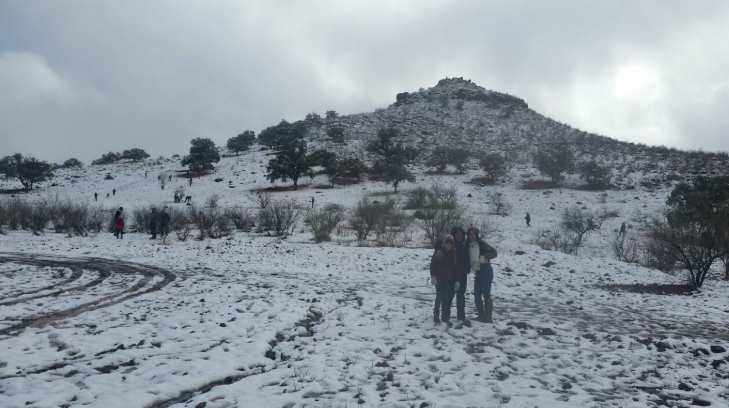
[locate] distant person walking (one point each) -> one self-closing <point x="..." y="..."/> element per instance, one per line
<point x="528" y="219"/>
<point x="119" y="223"/>
<point x="480" y="255"/>
<point x="442" y="274"/>
<point x="113" y="192"/>
<point x="96" y="196"/>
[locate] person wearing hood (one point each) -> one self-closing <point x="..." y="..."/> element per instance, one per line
<point x="463" y="266"/>
<point x="480" y="255"/>
<point x="442" y="274"/>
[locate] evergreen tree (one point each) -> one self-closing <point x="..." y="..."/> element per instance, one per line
<point x="553" y="160"/>
<point x="203" y="154"/>
<point x="494" y="165"/>
<point x="241" y="142"/>
<point x="392" y="158"/>
<point x="290" y="162"/>
<point x="28" y="170"/>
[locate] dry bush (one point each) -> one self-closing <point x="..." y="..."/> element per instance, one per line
<point x="658" y="255"/>
<point x="323" y="221"/>
<point x="96" y="218"/>
<point x="499" y="205"/>
<point x="210" y="222"/>
<point x="70" y="218"/>
<point x="181" y="224"/>
<point x="394" y="228"/>
<point x="626" y="248"/>
<point x="241" y="218"/>
<point x="553" y="240"/>
<point x="278" y="216"/>
<point x="370" y="216"/>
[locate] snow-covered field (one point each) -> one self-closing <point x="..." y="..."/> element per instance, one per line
<point x="256" y="321"/>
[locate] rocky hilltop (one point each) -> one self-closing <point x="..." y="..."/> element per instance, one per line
<point x="458" y="112"/>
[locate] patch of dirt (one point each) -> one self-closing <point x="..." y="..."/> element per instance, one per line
<point x="651" y="288"/>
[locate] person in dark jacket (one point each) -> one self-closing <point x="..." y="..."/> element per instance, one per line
<point x="463" y="266"/>
<point x="164" y="223"/>
<point x="154" y="223"/>
<point x="480" y="255"/>
<point x="442" y="274"/>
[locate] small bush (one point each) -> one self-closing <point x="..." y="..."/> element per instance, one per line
<point x="369" y="216"/>
<point x="278" y="217"/>
<point x="553" y="240"/>
<point x="241" y="218"/>
<point x="577" y="224"/>
<point x="499" y="205"/>
<point x="658" y="255"/>
<point x="323" y="221"/>
<point x="209" y="221"/>
<point x="626" y="248"/>
<point x="419" y="197"/>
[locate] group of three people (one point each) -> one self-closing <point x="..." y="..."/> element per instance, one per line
<point x="455" y="256"/>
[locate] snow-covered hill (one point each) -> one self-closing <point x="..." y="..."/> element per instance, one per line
<point x="459" y="113"/>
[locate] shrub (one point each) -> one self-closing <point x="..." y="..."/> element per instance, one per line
<point x="72" y="163"/>
<point x="419" y="197"/>
<point x="499" y="205"/>
<point x="595" y="175"/>
<point x="210" y="222"/>
<point x="70" y="218"/>
<point x="626" y="248"/>
<point x="278" y="216"/>
<point x="369" y="216"/>
<point x="553" y="240"/>
<point x="494" y="165"/>
<point x="553" y="160"/>
<point x="107" y="158"/>
<point x="696" y="227"/>
<point x="241" y="218"/>
<point x="323" y="221"/>
<point x="658" y="255"/>
<point x="578" y="223"/>
<point x="436" y="222"/>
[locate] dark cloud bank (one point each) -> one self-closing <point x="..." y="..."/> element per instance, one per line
<point x="78" y="78"/>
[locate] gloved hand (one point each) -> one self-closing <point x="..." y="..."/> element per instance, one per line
<point x="456" y="286"/>
<point x="434" y="280"/>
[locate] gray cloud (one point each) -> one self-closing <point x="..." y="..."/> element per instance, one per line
<point x="83" y="77"/>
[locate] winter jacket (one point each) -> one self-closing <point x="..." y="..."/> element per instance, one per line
<point x="443" y="266"/>
<point x="119" y="222"/>
<point x="462" y="261"/>
<point x="485" y="251"/>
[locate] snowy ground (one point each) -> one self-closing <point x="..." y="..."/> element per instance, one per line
<point x="257" y="321"/>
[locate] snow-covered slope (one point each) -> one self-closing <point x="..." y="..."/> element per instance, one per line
<point x="251" y="320"/>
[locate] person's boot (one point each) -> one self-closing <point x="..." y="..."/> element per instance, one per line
<point x="488" y="313"/>
<point x="479" y="313"/>
<point x="436" y="319"/>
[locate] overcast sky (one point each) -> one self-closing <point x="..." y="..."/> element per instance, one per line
<point x="79" y="78"/>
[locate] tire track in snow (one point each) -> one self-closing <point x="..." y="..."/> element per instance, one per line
<point x="105" y="268"/>
<point x="75" y="275"/>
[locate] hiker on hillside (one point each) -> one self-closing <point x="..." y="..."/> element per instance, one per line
<point x="153" y="223"/>
<point x="442" y="274"/>
<point x="480" y="255"/>
<point x="119" y="223"/>
<point x="463" y="266"/>
<point x="528" y="219"/>
<point x="164" y="223"/>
